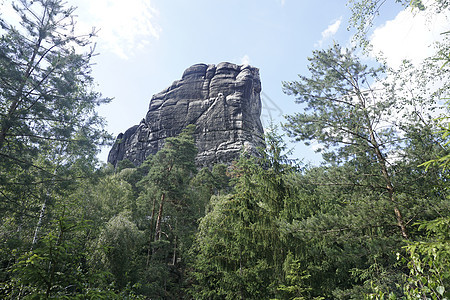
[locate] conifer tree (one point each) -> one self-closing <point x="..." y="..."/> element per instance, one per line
<point x="49" y="130"/>
<point x="344" y="114"/>
<point x="373" y="137"/>
<point x="239" y="249"/>
<point x="168" y="213"/>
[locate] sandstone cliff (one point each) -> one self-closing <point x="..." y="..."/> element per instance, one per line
<point x="223" y="102"/>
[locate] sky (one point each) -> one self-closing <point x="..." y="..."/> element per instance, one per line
<point x="145" y="45"/>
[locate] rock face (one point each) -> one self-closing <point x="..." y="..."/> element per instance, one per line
<point x="223" y="102"/>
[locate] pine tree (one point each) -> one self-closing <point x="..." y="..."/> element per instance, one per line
<point x="49" y="130"/>
<point x="168" y="212"/>
<point x="346" y="116"/>
<point x="239" y="249"/>
<point x="373" y="141"/>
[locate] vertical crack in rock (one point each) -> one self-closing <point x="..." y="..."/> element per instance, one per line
<point x="222" y="101"/>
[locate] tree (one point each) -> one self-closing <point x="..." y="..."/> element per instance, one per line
<point x="45" y="87"/>
<point x="427" y="258"/>
<point x="167" y="210"/>
<point x="295" y="278"/>
<point x="119" y="240"/>
<point x="344" y="235"/>
<point x="48" y="123"/>
<point x="49" y="130"/>
<point x="239" y="251"/>
<point x="57" y="268"/>
<point x="374" y="135"/>
<point x="346" y="114"/>
<point x="170" y="171"/>
<point x="429" y="261"/>
<point x="364" y="12"/>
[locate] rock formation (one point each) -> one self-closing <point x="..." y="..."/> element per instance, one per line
<point x="223" y="102"/>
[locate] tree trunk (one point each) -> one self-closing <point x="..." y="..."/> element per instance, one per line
<point x="19" y="94"/>
<point x="382" y="163"/>
<point x="39" y="223"/>
<point x="152" y="216"/>
<point x="389" y="185"/>
<point x="174" y="257"/>
<point x="158" y="221"/>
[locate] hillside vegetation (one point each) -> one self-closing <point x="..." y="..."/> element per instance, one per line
<point x="371" y="222"/>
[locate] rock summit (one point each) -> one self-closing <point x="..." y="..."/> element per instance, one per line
<point x="222" y="101"/>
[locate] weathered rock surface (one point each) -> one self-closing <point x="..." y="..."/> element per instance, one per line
<point x="223" y="102"/>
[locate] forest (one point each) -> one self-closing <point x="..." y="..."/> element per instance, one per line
<point x="372" y="221"/>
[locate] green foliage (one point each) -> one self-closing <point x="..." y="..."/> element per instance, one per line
<point x="239" y="250"/>
<point x="362" y="18"/>
<point x="118" y="242"/>
<point x="124" y="164"/>
<point x="338" y="109"/>
<point x="344" y="241"/>
<point x="229" y="262"/>
<point x="262" y="228"/>
<point x="295" y="278"/>
<point x="168" y="178"/>
<point x="46" y="95"/>
<point x="49" y="130"/>
<point x="56" y="268"/>
<point x="429" y="262"/>
<point x="343" y="114"/>
<point x="49" y="137"/>
<point x="370" y="181"/>
<point x="170" y="199"/>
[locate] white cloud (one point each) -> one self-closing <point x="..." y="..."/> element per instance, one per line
<point x="329" y="32"/>
<point x="124" y="26"/>
<point x="332" y="29"/>
<point x="245" y="60"/>
<point x="409" y="36"/>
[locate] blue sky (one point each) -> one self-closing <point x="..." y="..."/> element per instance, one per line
<point x="144" y="45"/>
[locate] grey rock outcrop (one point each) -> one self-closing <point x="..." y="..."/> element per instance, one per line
<point x="223" y="102"/>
